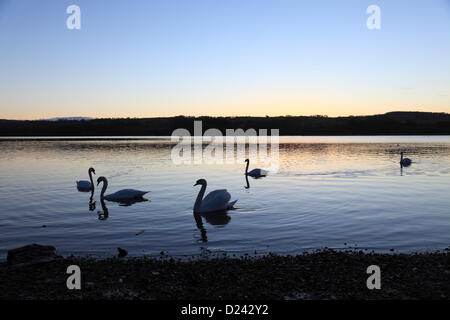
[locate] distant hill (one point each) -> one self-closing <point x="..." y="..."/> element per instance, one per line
<point x="68" y="118"/>
<point x="392" y="123"/>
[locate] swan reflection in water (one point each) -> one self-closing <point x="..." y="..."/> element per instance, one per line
<point x="248" y="183"/>
<point x="219" y="218"/>
<point x="92" y="202"/>
<point x="104" y="213"/>
<point x="129" y="202"/>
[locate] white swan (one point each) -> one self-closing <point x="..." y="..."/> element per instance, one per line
<point x="405" y="161"/>
<point x="125" y="194"/>
<point x="86" y="185"/>
<point x="255" y="173"/>
<point x="217" y="200"/>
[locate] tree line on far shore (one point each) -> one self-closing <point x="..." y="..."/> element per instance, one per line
<point x="392" y="123"/>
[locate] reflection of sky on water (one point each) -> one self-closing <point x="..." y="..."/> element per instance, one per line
<point x="326" y="193"/>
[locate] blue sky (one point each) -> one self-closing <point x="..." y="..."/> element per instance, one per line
<point x="230" y="57"/>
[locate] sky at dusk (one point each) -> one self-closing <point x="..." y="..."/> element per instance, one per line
<point x="149" y="58"/>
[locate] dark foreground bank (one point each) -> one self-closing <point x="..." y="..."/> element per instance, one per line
<point x="320" y="275"/>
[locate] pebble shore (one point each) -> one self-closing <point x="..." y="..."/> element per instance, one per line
<point x="319" y="275"/>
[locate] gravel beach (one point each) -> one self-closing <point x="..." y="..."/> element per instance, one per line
<point x="319" y="275"/>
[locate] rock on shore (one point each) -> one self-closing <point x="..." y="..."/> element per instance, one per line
<point x="31" y="254"/>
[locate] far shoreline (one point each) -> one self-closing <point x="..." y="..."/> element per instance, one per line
<point x="282" y="138"/>
<point x="391" y="123"/>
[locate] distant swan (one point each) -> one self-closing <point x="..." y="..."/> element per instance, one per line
<point x="84" y="185"/>
<point x="255" y="173"/>
<point x="405" y="161"/>
<point x="125" y="194"/>
<point x="217" y="200"/>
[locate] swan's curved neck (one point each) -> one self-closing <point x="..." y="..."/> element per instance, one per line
<point x="92" y="181"/>
<point x="246" y="168"/>
<point x="105" y="185"/>
<point x="198" y="202"/>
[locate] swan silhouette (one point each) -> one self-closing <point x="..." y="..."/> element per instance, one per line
<point x="85" y="185"/>
<point x="121" y="195"/>
<point x="404" y="162"/>
<point x="255" y="173"/>
<point x="217" y="200"/>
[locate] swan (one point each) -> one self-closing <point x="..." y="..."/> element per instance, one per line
<point x="86" y="185"/>
<point x="217" y="200"/>
<point x="125" y="194"/>
<point x="405" y="161"/>
<point x="255" y="173"/>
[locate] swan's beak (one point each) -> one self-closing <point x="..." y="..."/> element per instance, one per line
<point x="195" y="184"/>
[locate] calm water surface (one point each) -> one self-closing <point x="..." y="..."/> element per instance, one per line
<point x="337" y="192"/>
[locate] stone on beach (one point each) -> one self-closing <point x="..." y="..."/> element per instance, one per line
<point x="122" y="252"/>
<point x="31" y="254"/>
